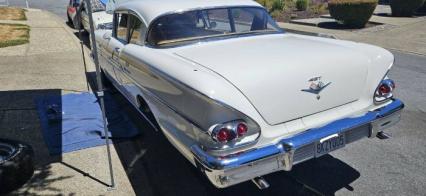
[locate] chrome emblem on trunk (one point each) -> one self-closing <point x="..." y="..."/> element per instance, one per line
<point x="316" y="85"/>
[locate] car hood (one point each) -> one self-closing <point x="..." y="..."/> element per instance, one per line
<point x="277" y="73"/>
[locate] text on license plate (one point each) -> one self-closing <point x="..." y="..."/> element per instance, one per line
<point x="328" y="145"/>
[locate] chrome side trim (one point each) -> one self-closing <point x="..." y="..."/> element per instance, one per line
<point x="287" y="146"/>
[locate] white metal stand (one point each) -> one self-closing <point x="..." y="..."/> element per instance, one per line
<point x="100" y="90"/>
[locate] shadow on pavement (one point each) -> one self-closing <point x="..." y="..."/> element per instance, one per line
<point x="85" y="37"/>
<point x="19" y="120"/>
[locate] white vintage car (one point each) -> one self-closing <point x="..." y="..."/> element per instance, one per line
<point x="237" y="96"/>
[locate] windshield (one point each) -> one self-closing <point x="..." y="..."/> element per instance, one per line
<point x="210" y="23"/>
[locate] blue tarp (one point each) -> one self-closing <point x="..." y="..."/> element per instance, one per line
<point x="74" y="121"/>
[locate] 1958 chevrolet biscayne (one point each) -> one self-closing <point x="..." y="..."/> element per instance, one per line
<point x="237" y="96"/>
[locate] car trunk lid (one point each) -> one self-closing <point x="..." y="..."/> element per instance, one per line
<point x="285" y="77"/>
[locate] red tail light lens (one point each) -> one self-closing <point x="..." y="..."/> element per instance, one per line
<point x="384" y="91"/>
<point x="223" y="135"/>
<point x="241" y="129"/>
<point x="229" y="131"/>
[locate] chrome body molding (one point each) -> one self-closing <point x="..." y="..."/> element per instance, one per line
<point x="284" y="154"/>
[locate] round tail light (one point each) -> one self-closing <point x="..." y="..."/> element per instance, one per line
<point x="223" y="135"/>
<point x="229" y="131"/>
<point x="384" y="89"/>
<point x="241" y="129"/>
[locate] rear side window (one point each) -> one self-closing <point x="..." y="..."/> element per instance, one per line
<point x="135" y="30"/>
<point x="121" y="27"/>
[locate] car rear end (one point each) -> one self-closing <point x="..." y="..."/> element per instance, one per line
<point x="244" y="106"/>
<point x="224" y="171"/>
<point x="342" y="110"/>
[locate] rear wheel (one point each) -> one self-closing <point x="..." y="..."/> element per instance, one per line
<point x="16" y="165"/>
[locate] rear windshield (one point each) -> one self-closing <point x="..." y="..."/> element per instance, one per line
<point x="197" y="25"/>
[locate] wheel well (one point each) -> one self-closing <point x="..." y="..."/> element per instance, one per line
<point x="142" y="104"/>
<point x="144" y="108"/>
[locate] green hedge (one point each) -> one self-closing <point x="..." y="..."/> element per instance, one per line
<point x="277" y="5"/>
<point x="302" y="5"/>
<point x="352" y="13"/>
<point x="405" y="7"/>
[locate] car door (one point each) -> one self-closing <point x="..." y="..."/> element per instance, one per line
<point x="136" y="32"/>
<point x="103" y="37"/>
<point x="116" y="44"/>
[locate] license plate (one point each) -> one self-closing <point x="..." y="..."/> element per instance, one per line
<point x="328" y="144"/>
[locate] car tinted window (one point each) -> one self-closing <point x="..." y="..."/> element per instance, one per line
<point x="219" y="20"/>
<point x="135" y="31"/>
<point x="210" y="23"/>
<point x="250" y="19"/>
<point x="121" y="30"/>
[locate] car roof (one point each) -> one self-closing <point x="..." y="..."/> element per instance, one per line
<point x="151" y="9"/>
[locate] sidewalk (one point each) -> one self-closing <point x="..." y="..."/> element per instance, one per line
<point x="51" y="64"/>
<point x="402" y="34"/>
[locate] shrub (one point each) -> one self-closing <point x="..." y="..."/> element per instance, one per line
<point x="302" y="5"/>
<point x="352" y="13"/>
<point x="277" y="5"/>
<point x="405" y="7"/>
<point x="319" y="8"/>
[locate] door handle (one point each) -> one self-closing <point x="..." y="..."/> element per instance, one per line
<point x="117" y="49"/>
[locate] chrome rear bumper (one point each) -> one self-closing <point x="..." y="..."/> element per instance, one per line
<point x="233" y="169"/>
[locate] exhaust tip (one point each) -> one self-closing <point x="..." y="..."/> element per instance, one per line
<point x="260" y="182"/>
<point x="383" y="135"/>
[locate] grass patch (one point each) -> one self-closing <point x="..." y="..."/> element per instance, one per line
<point x="14" y="34"/>
<point x="12" y="13"/>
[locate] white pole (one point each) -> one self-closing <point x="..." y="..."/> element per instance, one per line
<point x="26" y="2"/>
